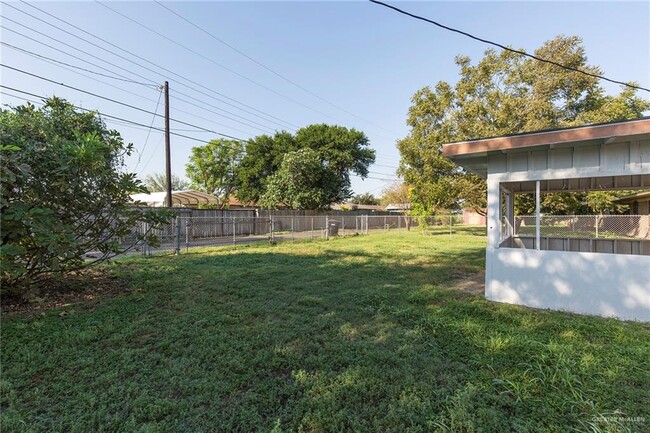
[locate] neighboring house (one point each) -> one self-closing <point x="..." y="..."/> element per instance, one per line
<point x="473" y="218"/>
<point x="400" y="208"/>
<point x="571" y="263"/>
<point x="639" y="203"/>
<point x="358" y="207"/>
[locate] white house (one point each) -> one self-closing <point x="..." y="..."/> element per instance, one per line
<point x="596" y="265"/>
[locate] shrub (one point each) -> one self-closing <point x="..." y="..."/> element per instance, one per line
<point x="64" y="191"/>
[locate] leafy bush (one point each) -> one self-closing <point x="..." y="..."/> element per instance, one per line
<point x="64" y="191"/>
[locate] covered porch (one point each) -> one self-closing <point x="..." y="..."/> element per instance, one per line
<point x="593" y="264"/>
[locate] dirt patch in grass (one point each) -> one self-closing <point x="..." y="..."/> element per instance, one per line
<point x="66" y="290"/>
<point x="474" y="283"/>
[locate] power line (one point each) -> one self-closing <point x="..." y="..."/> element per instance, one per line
<point x="73" y="67"/>
<point x="262" y="113"/>
<point x="149" y="132"/>
<point x="232" y="71"/>
<point x="68" y="66"/>
<point x="42" y="57"/>
<point x="277" y="74"/>
<point x="118" y="102"/>
<point x="70" y="46"/>
<point x="512" y="50"/>
<point x="106" y="115"/>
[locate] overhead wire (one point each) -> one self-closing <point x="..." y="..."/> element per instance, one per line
<point x="277" y="74"/>
<point x="503" y="47"/>
<point x="101" y="113"/>
<point x="152" y="85"/>
<point x="242" y="76"/>
<point x="42" y="57"/>
<point x="260" y="114"/>
<point x="117" y="102"/>
<point x="2" y="25"/>
<point x="146" y="140"/>
<point x="72" y="69"/>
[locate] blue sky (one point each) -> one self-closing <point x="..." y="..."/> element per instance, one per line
<point x="361" y="57"/>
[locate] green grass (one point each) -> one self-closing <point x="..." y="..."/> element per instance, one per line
<point x="356" y="334"/>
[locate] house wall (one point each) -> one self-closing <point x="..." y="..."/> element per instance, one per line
<point x="472" y="218"/>
<point x="588" y="283"/>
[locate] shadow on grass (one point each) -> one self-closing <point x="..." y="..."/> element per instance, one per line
<point x="322" y="337"/>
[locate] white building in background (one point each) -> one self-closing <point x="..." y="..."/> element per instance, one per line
<point x="596" y="265"/>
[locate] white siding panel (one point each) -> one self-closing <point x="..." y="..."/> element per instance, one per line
<point x="497" y="163"/>
<point x="539" y="160"/>
<point x="644" y="153"/>
<point x="561" y="158"/>
<point x="616" y="156"/>
<point x="586" y="156"/>
<point x="518" y="161"/>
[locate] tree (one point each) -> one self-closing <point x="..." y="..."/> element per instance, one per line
<point x="157" y="182"/>
<point x="262" y="158"/>
<point x="395" y="193"/>
<point x="64" y="191"/>
<point x="213" y="168"/>
<point x="603" y="201"/>
<point x="365" y="199"/>
<point x="504" y="93"/>
<point x="340" y="152"/>
<point x="302" y="182"/>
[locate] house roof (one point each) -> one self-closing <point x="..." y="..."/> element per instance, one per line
<point x="398" y="206"/>
<point x="186" y="198"/>
<point x="586" y="133"/>
<point x="179" y="198"/>
<point x="474" y="155"/>
<point x="355" y="206"/>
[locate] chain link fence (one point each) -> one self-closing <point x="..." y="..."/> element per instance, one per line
<point x="620" y="234"/>
<point x="586" y="226"/>
<point x="185" y="232"/>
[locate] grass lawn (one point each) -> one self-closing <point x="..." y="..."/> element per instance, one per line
<point x="362" y="333"/>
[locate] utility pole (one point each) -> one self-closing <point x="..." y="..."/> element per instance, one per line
<point x="168" y="159"/>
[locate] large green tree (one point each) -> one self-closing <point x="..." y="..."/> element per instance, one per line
<point x="262" y="158"/>
<point x="64" y="191"/>
<point x="340" y="152"/>
<point x="302" y="182"/>
<point x="213" y="168"/>
<point x="504" y="93"/>
<point x="365" y="199"/>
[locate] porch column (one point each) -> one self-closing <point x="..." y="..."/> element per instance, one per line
<point x="493" y="213"/>
<point x="537" y="215"/>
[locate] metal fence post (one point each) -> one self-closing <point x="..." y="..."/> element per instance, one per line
<point x="327" y="227"/>
<point x="143" y="230"/>
<point x="234" y="231"/>
<point x="291" y="228"/>
<point x="312" y="227"/>
<point x="187" y="233"/>
<point x="177" y="236"/>
<point x="271" y="228"/>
